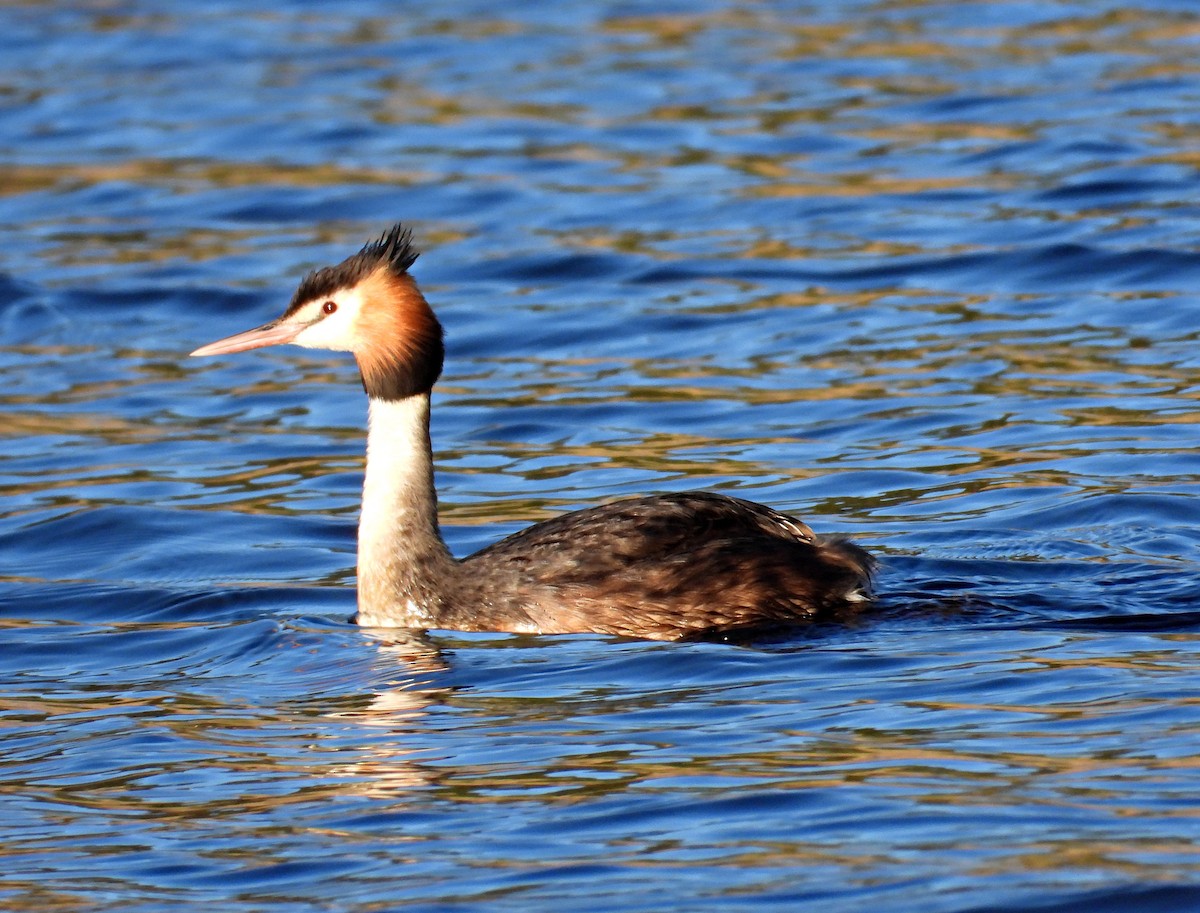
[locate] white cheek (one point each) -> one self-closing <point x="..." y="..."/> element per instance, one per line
<point x="331" y="332"/>
<point x="334" y="331"/>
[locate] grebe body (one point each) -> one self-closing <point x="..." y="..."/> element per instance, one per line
<point x="665" y="567"/>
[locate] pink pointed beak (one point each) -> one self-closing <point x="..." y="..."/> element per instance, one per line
<point x="269" y="334"/>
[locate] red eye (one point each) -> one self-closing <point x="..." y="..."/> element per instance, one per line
<point x="329" y="307"/>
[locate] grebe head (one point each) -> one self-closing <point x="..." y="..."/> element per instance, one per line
<point x="369" y="305"/>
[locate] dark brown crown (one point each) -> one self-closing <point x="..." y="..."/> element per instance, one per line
<point x="394" y="250"/>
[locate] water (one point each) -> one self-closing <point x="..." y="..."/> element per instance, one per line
<point x="922" y="273"/>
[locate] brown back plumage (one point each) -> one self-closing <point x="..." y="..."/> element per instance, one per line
<point x="667" y="566"/>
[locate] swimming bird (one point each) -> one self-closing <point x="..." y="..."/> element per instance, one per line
<point x="693" y="565"/>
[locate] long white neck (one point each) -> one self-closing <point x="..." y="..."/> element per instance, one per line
<point x="403" y="564"/>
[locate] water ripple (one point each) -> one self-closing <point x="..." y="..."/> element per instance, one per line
<point x="921" y="273"/>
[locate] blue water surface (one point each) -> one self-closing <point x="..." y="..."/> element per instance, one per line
<point x="921" y="273"/>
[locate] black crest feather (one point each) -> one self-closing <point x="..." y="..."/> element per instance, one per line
<point x="394" y="249"/>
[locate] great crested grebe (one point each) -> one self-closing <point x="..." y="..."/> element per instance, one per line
<point x="665" y="567"/>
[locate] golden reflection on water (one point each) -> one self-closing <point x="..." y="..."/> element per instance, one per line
<point x="1143" y="45"/>
<point x="1086" y="372"/>
<point x="371" y="745"/>
<point x="386" y="768"/>
<point x="934" y="766"/>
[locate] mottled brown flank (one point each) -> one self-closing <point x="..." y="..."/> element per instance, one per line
<point x="399" y="348"/>
<point x="666" y="567"/>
